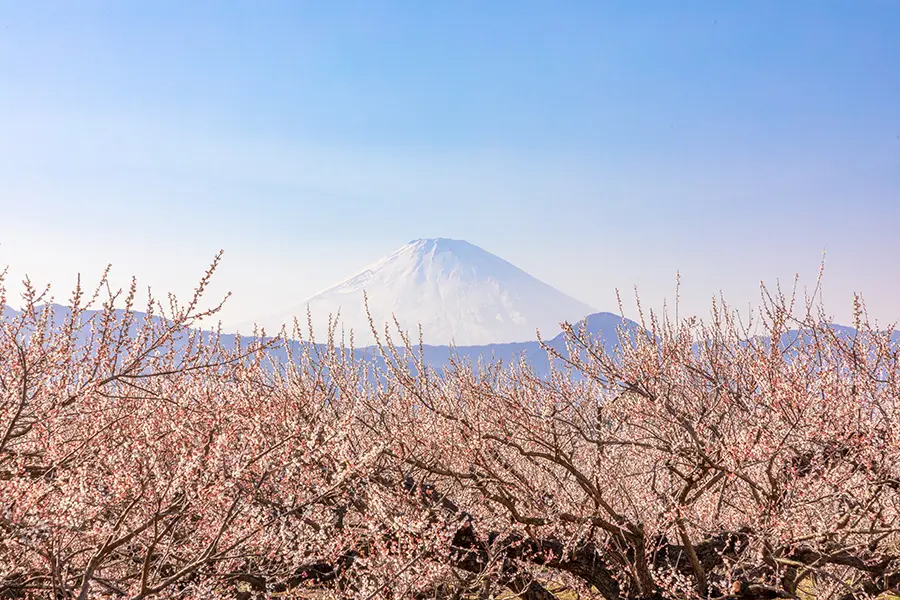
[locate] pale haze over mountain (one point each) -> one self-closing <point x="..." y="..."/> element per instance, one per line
<point x="457" y="291"/>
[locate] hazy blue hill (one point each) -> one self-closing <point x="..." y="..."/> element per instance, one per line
<point x="603" y="325"/>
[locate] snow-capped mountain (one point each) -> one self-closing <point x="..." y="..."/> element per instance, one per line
<point x="457" y="291"/>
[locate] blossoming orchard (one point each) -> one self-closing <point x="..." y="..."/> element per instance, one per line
<point x="143" y="458"/>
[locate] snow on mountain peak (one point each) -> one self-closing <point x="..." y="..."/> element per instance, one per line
<point x="459" y="293"/>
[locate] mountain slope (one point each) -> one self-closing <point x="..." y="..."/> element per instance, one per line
<point x="459" y="293"/>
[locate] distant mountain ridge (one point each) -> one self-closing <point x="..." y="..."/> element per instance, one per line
<point x="458" y="292"/>
<point x="604" y="326"/>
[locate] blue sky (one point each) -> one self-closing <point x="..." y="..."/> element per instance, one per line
<point x="597" y="145"/>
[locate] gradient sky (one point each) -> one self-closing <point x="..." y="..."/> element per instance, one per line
<point x="597" y="145"/>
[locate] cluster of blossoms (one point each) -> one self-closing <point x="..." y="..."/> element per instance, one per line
<point x="142" y="457"/>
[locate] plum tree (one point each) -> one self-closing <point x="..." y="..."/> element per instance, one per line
<point x="141" y="457"/>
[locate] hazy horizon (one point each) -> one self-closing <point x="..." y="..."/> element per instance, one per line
<point x="594" y="146"/>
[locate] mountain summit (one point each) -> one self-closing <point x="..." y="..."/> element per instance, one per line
<point x="459" y="293"/>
